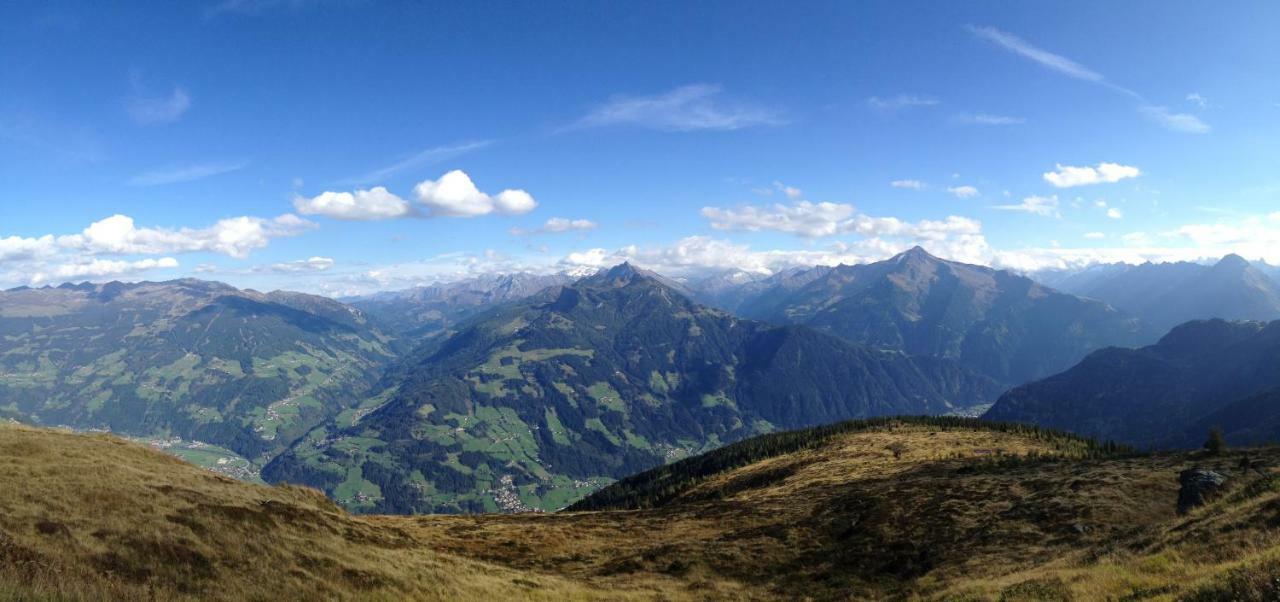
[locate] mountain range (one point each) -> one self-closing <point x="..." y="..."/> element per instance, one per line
<point x="542" y="400"/>
<point x="425" y="311"/>
<point x="996" y="322"/>
<point x="527" y="392"/>
<point x="1202" y="374"/>
<point x="198" y="360"/>
<point x="1165" y="295"/>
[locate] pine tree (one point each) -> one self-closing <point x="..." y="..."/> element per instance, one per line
<point x="1216" y="443"/>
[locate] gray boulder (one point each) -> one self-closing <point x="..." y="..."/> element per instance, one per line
<point x="1199" y="486"/>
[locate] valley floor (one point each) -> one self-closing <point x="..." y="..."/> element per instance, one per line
<point x="960" y="514"/>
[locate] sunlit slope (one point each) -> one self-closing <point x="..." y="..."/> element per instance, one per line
<point x="966" y="511"/>
<point x="97" y="518"/>
<point x="929" y="508"/>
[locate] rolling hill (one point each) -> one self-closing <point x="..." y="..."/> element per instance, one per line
<point x="1202" y="374"/>
<point x="197" y="360"/>
<point x="538" y="403"/>
<point x="922" y="508"/>
<point x="995" y="322"/>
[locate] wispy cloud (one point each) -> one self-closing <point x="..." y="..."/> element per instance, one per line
<point x="159" y="110"/>
<point x="422" y="158"/>
<point x="557" y="225"/>
<point x="1046" y="206"/>
<point x="989" y="119"/>
<point x="963" y="192"/>
<point x="185" y="174"/>
<point x="251" y="7"/>
<point x="902" y="101"/>
<point x="1178" y="122"/>
<point x="909" y="184"/>
<point x="684" y="109"/>
<point x="1056" y="62"/>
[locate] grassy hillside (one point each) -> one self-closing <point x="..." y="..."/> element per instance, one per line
<point x="97" y="518"/>
<point x="893" y="509"/>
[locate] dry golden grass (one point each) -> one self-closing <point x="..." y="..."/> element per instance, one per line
<point x="956" y="517"/>
<point x="97" y="518"/>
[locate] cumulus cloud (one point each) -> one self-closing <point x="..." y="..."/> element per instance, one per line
<point x="14" y="248"/>
<point x="1046" y="206"/>
<point x="362" y="205"/>
<point x="1067" y="176"/>
<point x="236" y="236"/>
<point x="902" y="101"/>
<point x="909" y="184"/>
<point x="1114" y="213"/>
<point x="684" y="109"/>
<point x="963" y="192"/>
<point x="455" y="195"/>
<point x="557" y="225"/>
<point x="816" y="220"/>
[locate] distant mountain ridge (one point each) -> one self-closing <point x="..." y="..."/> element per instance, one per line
<point x="539" y="401"/>
<point x="1165" y="295"/>
<point x="429" y="310"/>
<point x="1202" y="374"/>
<point x="996" y="322"/>
<point x="200" y="360"/>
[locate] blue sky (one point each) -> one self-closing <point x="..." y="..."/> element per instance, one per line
<point x="233" y="140"/>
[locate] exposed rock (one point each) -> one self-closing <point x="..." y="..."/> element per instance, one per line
<point x="1199" y="486"/>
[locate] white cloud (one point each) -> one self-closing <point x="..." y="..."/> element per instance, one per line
<point x="101" y="268"/>
<point x="1094" y="235"/>
<point x="15" y="248"/>
<point x="902" y="101"/>
<point x="236" y="237"/>
<point x="1178" y="122"/>
<point x="374" y="204"/>
<point x="909" y="184"/>
<point x="988" y="119"/>
<point x="557" y="225"/>
<point x="696" y="254"/>
<point x="1056" y="62"/>
<point x="1115" y="213"/>
<point x="312" y="264"/>
<point x="185" y="174"/>
<point x="455" y="195"/>
<point x="963" y="192"/>
<point x="816" y="220"/>
<point x="158" y="110"/>
<point x="684" y="109"/>
<point x="1199" y="101"/>
<point x="1036" y="205"/>
<point x="1067" y="176"/>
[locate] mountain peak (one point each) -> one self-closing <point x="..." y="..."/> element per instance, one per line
<point x="1233" y="261"/>
<point x="916" y="253"/>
